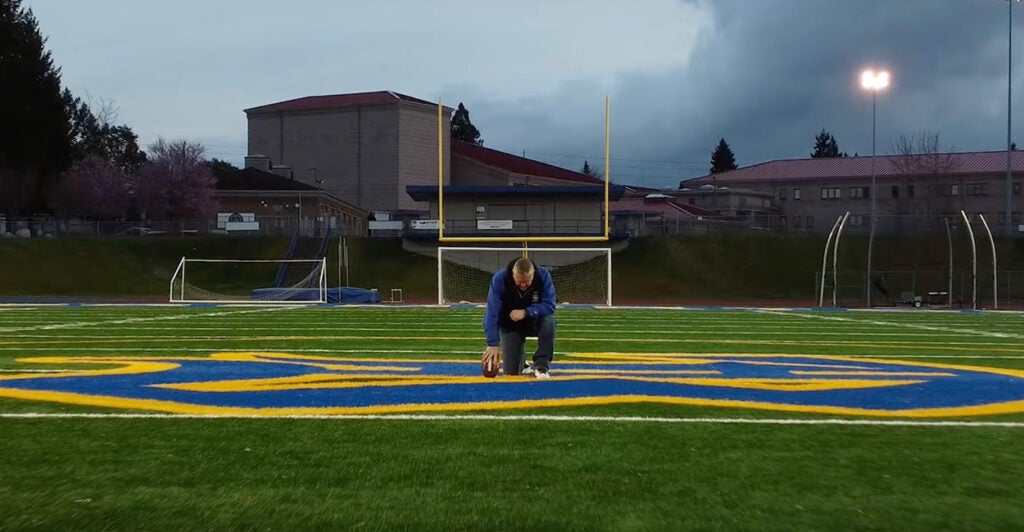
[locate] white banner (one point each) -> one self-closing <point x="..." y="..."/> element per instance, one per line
<point x="425" y="224"/>
<point x="494" y="224"/>
<point x="375" y="225"/>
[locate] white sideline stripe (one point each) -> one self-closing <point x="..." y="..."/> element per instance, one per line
<point x="78" y="324"/>
<point x="610" y="419"/>
<point x="897" y="324"/>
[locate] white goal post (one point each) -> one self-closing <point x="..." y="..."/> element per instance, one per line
<point x="580" y="275"/>
<point x="300" y="281"/>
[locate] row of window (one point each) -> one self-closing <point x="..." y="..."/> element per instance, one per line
<point x="835" y="193"/>
<point x="797" y="221"/>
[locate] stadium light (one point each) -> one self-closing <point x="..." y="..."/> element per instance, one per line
<point x="873" y="81"/>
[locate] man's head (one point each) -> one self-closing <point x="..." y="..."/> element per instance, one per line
<point x="522" y="273"/>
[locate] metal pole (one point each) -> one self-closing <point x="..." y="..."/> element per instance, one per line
<point x="995" y="284"/>
<point x="824" y="261"/>
<point x="871" y="236"/>
<point x="974" y="262"/>
<point x="1009" y="100"/>
<point x="347" y="268"/>
<point x="835" y="260"/>
<point x="949" y="242"/>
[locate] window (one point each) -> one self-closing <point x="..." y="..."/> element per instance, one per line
<point x="857" y="220"/>
<point x="796" y="222"/>
<point x="895" y="191"/>
<point x="860" y="192"/>
<point x="948" y="190"/>
<point x="796" y="193"/>
<point x="831" y="193"/>
<point x="782" y="194"/>
<point x="910" y="191"/>
<point x="1016" y="188"/>
<point x="954" y="190"/>
<point x="976" y="189"/>
<point x="809" y="222"/>
<point x="782" y="221"/>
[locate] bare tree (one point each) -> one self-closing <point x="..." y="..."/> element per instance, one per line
<point x="104" y="110"/>
<point x="922" y="155"/>
<point x="919" y="156"/>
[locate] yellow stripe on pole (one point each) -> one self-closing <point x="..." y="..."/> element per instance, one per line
<point x="607" y="174"/>
<point x="440" y="172"/>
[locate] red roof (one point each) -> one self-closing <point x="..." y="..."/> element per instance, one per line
<point x="945" y="164"/>
<point x="333" y="101"/>
<point x="517" y="165"/>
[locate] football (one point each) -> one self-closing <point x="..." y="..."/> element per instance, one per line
<point x="490" y="368"/>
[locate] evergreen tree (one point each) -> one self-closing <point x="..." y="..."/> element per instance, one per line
<point x="722" y="159"/>
<point x="35" y="130"/>
<point x="463" y="129"/>
<point x="825" y="145"/>
<point x="589" y="170"/>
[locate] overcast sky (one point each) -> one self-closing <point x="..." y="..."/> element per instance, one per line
<point x="766" y="75"/>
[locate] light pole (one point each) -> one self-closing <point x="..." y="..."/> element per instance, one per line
<point x="874" y="82"/>
<point x="1009" y="142"/>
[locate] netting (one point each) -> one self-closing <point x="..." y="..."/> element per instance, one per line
<point x="580" y="275"/>
<point x="248" y="281"/>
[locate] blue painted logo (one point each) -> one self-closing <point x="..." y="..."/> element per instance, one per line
<point x="259" y="383"/>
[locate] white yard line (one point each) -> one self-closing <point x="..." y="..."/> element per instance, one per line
<point x="83" y="324"/>
<point x="592" y="419"/>
<point x="896" y="324"/>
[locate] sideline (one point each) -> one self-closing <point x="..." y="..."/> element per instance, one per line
<point x="595" y="419"/>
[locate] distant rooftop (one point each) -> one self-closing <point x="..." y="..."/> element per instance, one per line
<point x="964" y="163"/>
<point x="256" y="179"/>
<point x="518" y="165"/>
<point x="333" y="101"/>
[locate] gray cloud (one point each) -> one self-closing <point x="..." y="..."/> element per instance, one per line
<point x="769" y="75"/>
<point x="765" y="75"/>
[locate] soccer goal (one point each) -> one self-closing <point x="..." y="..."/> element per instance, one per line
<point x="580" y="275"/>
<point x="249" y="281"/>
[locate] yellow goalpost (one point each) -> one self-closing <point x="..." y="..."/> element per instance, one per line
<point x="525" y="239"/>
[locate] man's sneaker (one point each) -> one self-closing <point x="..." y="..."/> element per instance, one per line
<point x="528" y="371"/>
<point x="541" y="374"/>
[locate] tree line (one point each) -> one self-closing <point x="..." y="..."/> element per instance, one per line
<point x="61" y="155"/>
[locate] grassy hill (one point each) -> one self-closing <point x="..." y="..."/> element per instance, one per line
<point x="720" y="268"/>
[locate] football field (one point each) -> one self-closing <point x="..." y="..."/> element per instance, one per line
<point x="335" y="417"/>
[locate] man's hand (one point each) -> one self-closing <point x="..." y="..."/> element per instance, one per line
<point x="492" y="354"/>
<point x="517" y="314"/>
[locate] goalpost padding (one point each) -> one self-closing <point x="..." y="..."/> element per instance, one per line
<point x="580" y="275"/>
<point x="249" y="281"/>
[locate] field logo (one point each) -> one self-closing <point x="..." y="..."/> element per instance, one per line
<point x="263" y="383"/>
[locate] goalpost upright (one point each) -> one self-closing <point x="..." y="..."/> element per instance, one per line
<point x="595" y="263"/>
<point x="525" y="239"/>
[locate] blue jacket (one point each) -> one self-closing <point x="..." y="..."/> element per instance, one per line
<point x="503" y="297"/>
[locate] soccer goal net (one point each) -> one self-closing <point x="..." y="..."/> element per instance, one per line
<point x="580" y="275"/>
<point x="249" y="281"/>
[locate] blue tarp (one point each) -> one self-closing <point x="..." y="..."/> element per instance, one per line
<point x="344" y="294"/>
